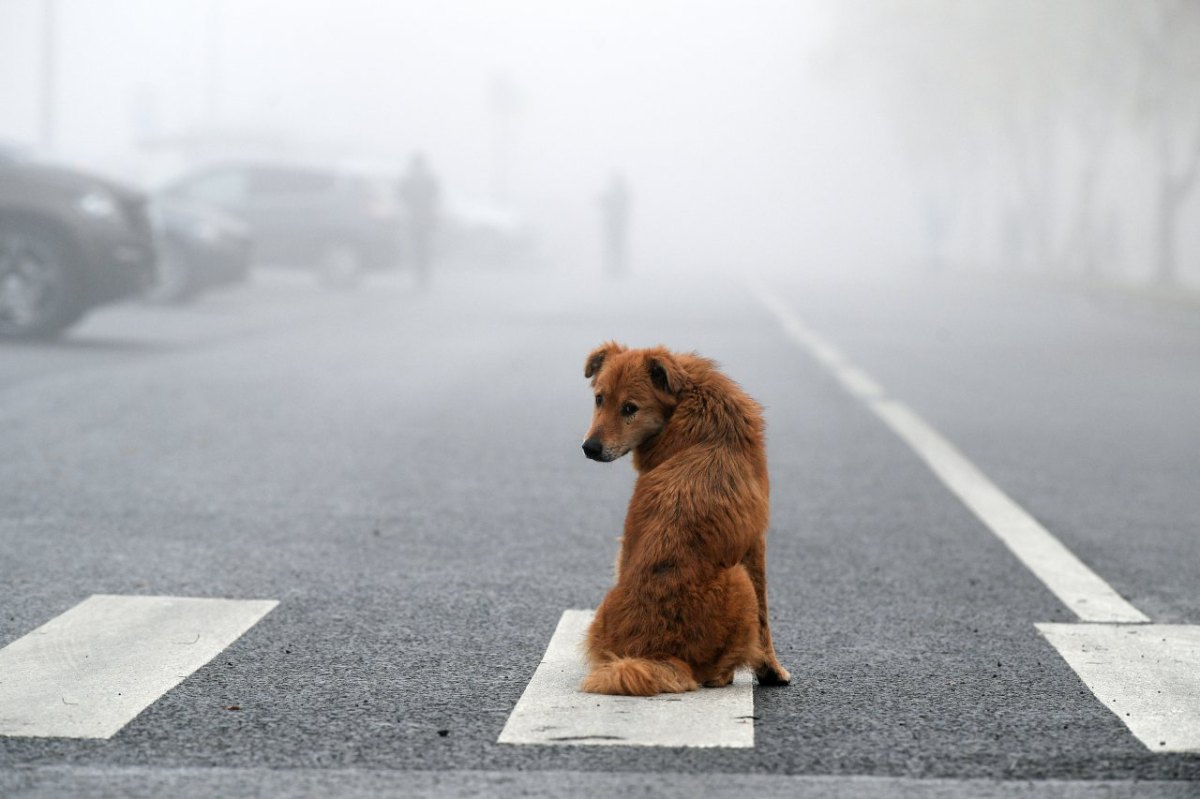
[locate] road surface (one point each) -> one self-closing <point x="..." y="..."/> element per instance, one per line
<point x="401" y="473"/>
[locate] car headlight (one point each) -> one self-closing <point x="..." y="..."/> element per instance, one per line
<point x="99" y="205"/>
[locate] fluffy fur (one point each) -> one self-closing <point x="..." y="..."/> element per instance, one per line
<point x="689" y="606"/>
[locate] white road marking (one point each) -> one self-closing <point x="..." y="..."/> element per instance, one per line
<point x="90" y="671"/>
<point x="553" y="711"/>
<point x="1148" y="674"/>
<point x="1079" y="588"/>
<point x="111" y="780"/>
<point x="1145" y="673"/>
<point x="858" y="382"/>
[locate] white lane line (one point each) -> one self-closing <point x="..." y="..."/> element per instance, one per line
<point x="90" y="671"/>
<point x="858" y="382"/>
<point x="554" y="712"/>
<point x="1144" y="673"/>
<point x="1079" y="588"/>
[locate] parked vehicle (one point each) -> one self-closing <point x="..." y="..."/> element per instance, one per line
<point x="339" y="222"/>
<point x="199" y="248"/>
<point x="479" y="234"/>
<point x="69" y="241"/>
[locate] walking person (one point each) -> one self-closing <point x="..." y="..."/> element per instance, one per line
<point x="614" y="221"/>
<point x="420" y="195"/>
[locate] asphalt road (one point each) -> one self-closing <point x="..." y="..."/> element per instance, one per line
<point x="402" y="472"/>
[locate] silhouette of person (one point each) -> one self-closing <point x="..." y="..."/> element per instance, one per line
<point x="420" y="194"/>
<point x="614" y="223"/>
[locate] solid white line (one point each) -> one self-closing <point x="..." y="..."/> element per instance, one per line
<point x="1145" y="673"/>
<point x="858" y="382"/>
<point x="554" y="712"/>
<point x="88" y="672"/>
<point x="1079" y="588"/>
<point x="208" y="781"/>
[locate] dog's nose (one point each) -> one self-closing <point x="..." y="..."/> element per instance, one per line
<point x="592" y="448"/>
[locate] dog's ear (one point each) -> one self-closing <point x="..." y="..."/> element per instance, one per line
<point x="595" y="358"/>
<point x="665" y="372"/>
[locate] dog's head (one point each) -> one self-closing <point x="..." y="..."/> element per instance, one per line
<point x="635" y="392"/>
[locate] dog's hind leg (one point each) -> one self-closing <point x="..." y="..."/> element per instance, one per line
<point x="720" y="673"/>
<point x="742" y="646"/>
<point x="769" y="671"/>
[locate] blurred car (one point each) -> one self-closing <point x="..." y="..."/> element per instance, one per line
<point x="482" y="234"/>
<point x="339" y="222"/>
<point x="199" y="248"/>
<point x="69" y="241"/>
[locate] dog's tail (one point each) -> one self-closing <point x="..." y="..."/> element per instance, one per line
<point x="640" y="677"/>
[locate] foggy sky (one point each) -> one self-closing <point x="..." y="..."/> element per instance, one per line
<point x="739" y="150"/>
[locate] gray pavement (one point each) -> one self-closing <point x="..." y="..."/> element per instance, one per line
<point x="402" y="472"/>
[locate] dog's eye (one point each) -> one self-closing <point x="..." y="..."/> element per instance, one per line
<point x="599" y="400"/>
<point x="628" y="409"/>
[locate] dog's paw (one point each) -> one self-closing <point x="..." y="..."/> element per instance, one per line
<point x="772" y="674"/>
<point x="719" y="682"/>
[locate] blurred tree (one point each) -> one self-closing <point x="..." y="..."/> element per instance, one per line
<point x="1009" y="110"/>
<point x="924" y="69"/>
<point x="1098" y="86"/>
<point x="1169" y="106"/>
<point x="975" y="90"/>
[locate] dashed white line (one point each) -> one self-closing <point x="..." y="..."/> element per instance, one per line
<point x="554" y="712"/>
<point x="90" y="671"/>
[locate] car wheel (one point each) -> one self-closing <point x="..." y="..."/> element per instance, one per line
<point x="40" y="294"/>
<point x="340" y="265"/>
<point x="173" y="283"/>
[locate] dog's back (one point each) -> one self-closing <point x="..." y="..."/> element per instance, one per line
<point x="686" y="606"/>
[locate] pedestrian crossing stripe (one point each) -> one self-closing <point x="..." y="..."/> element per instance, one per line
<point x="554" y="712"/>
<point x="91" y="670"/>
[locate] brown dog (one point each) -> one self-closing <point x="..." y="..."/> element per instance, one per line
<point x="690" y="603"/>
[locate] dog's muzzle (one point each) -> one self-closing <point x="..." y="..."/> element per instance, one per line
<point x="594" y="449"/>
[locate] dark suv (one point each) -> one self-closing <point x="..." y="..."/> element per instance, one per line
<point x="334" y="220"/>
<point x="68" y="241"/>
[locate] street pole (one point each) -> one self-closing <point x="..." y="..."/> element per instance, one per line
<point x="212" y="87"/>
<point x="49" y="76"/>
<point x="502" y="101"/>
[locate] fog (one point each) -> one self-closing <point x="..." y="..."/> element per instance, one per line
<point x="799" y="136"/>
